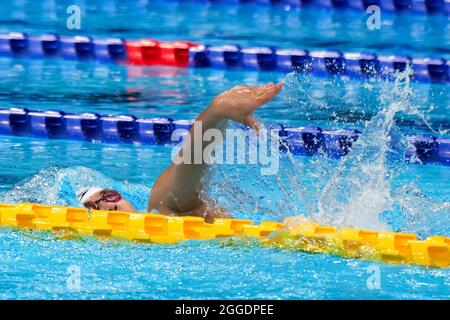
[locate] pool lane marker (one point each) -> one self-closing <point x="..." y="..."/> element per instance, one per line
<point x="185" y="54"/>
<point x="93" y="127"/>
<point x="432" y="7"/>
<point x="307" y="236"/>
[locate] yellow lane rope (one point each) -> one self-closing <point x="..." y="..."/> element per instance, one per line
<point x="306" y="236"/>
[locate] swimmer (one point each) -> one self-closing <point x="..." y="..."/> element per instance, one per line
<point x="177" y="190"/>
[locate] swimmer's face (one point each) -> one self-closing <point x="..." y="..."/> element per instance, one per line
<point x="110" y="200"/>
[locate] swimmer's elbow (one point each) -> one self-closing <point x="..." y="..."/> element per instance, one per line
<point x="165" y="202"/>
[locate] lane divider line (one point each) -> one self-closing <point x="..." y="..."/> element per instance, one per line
<point x="185" y="54"/>
<point x="432" y="7"/>
<point x="308" y="236"/>
<point x="307" y="141"/>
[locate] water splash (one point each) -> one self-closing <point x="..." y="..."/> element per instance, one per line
<point x="58" y="185"/>
<point x="359" y="190"/>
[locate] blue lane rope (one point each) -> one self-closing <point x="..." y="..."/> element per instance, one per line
<point x="18" y="44"/>
<point x="319" y="63"/>
<point x="231" y="57"/>
<point x="441" y="7"/>
<point x="308" y="141"/>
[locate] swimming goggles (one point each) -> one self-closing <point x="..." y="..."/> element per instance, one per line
<point x="107" y="195"/>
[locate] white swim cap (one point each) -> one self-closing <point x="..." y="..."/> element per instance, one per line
<point x="86" y="193"/>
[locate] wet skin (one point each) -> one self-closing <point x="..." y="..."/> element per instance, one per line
<point x="177" y="190"/>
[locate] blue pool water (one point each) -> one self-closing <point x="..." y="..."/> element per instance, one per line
<point x="406" y="197"/>
<point x="196" y="270"/>
<point x="182" y="93"/>
<point x="246" y="24"/>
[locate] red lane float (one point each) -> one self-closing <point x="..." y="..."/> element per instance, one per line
<point x="153" y="52"/>
<point x="184" y="54"/>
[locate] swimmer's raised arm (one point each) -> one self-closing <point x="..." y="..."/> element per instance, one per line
<point x="178" y="188"/>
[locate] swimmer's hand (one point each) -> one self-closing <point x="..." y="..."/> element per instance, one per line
<point x="240" y="102"/>
<point x="178" y="189"/>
